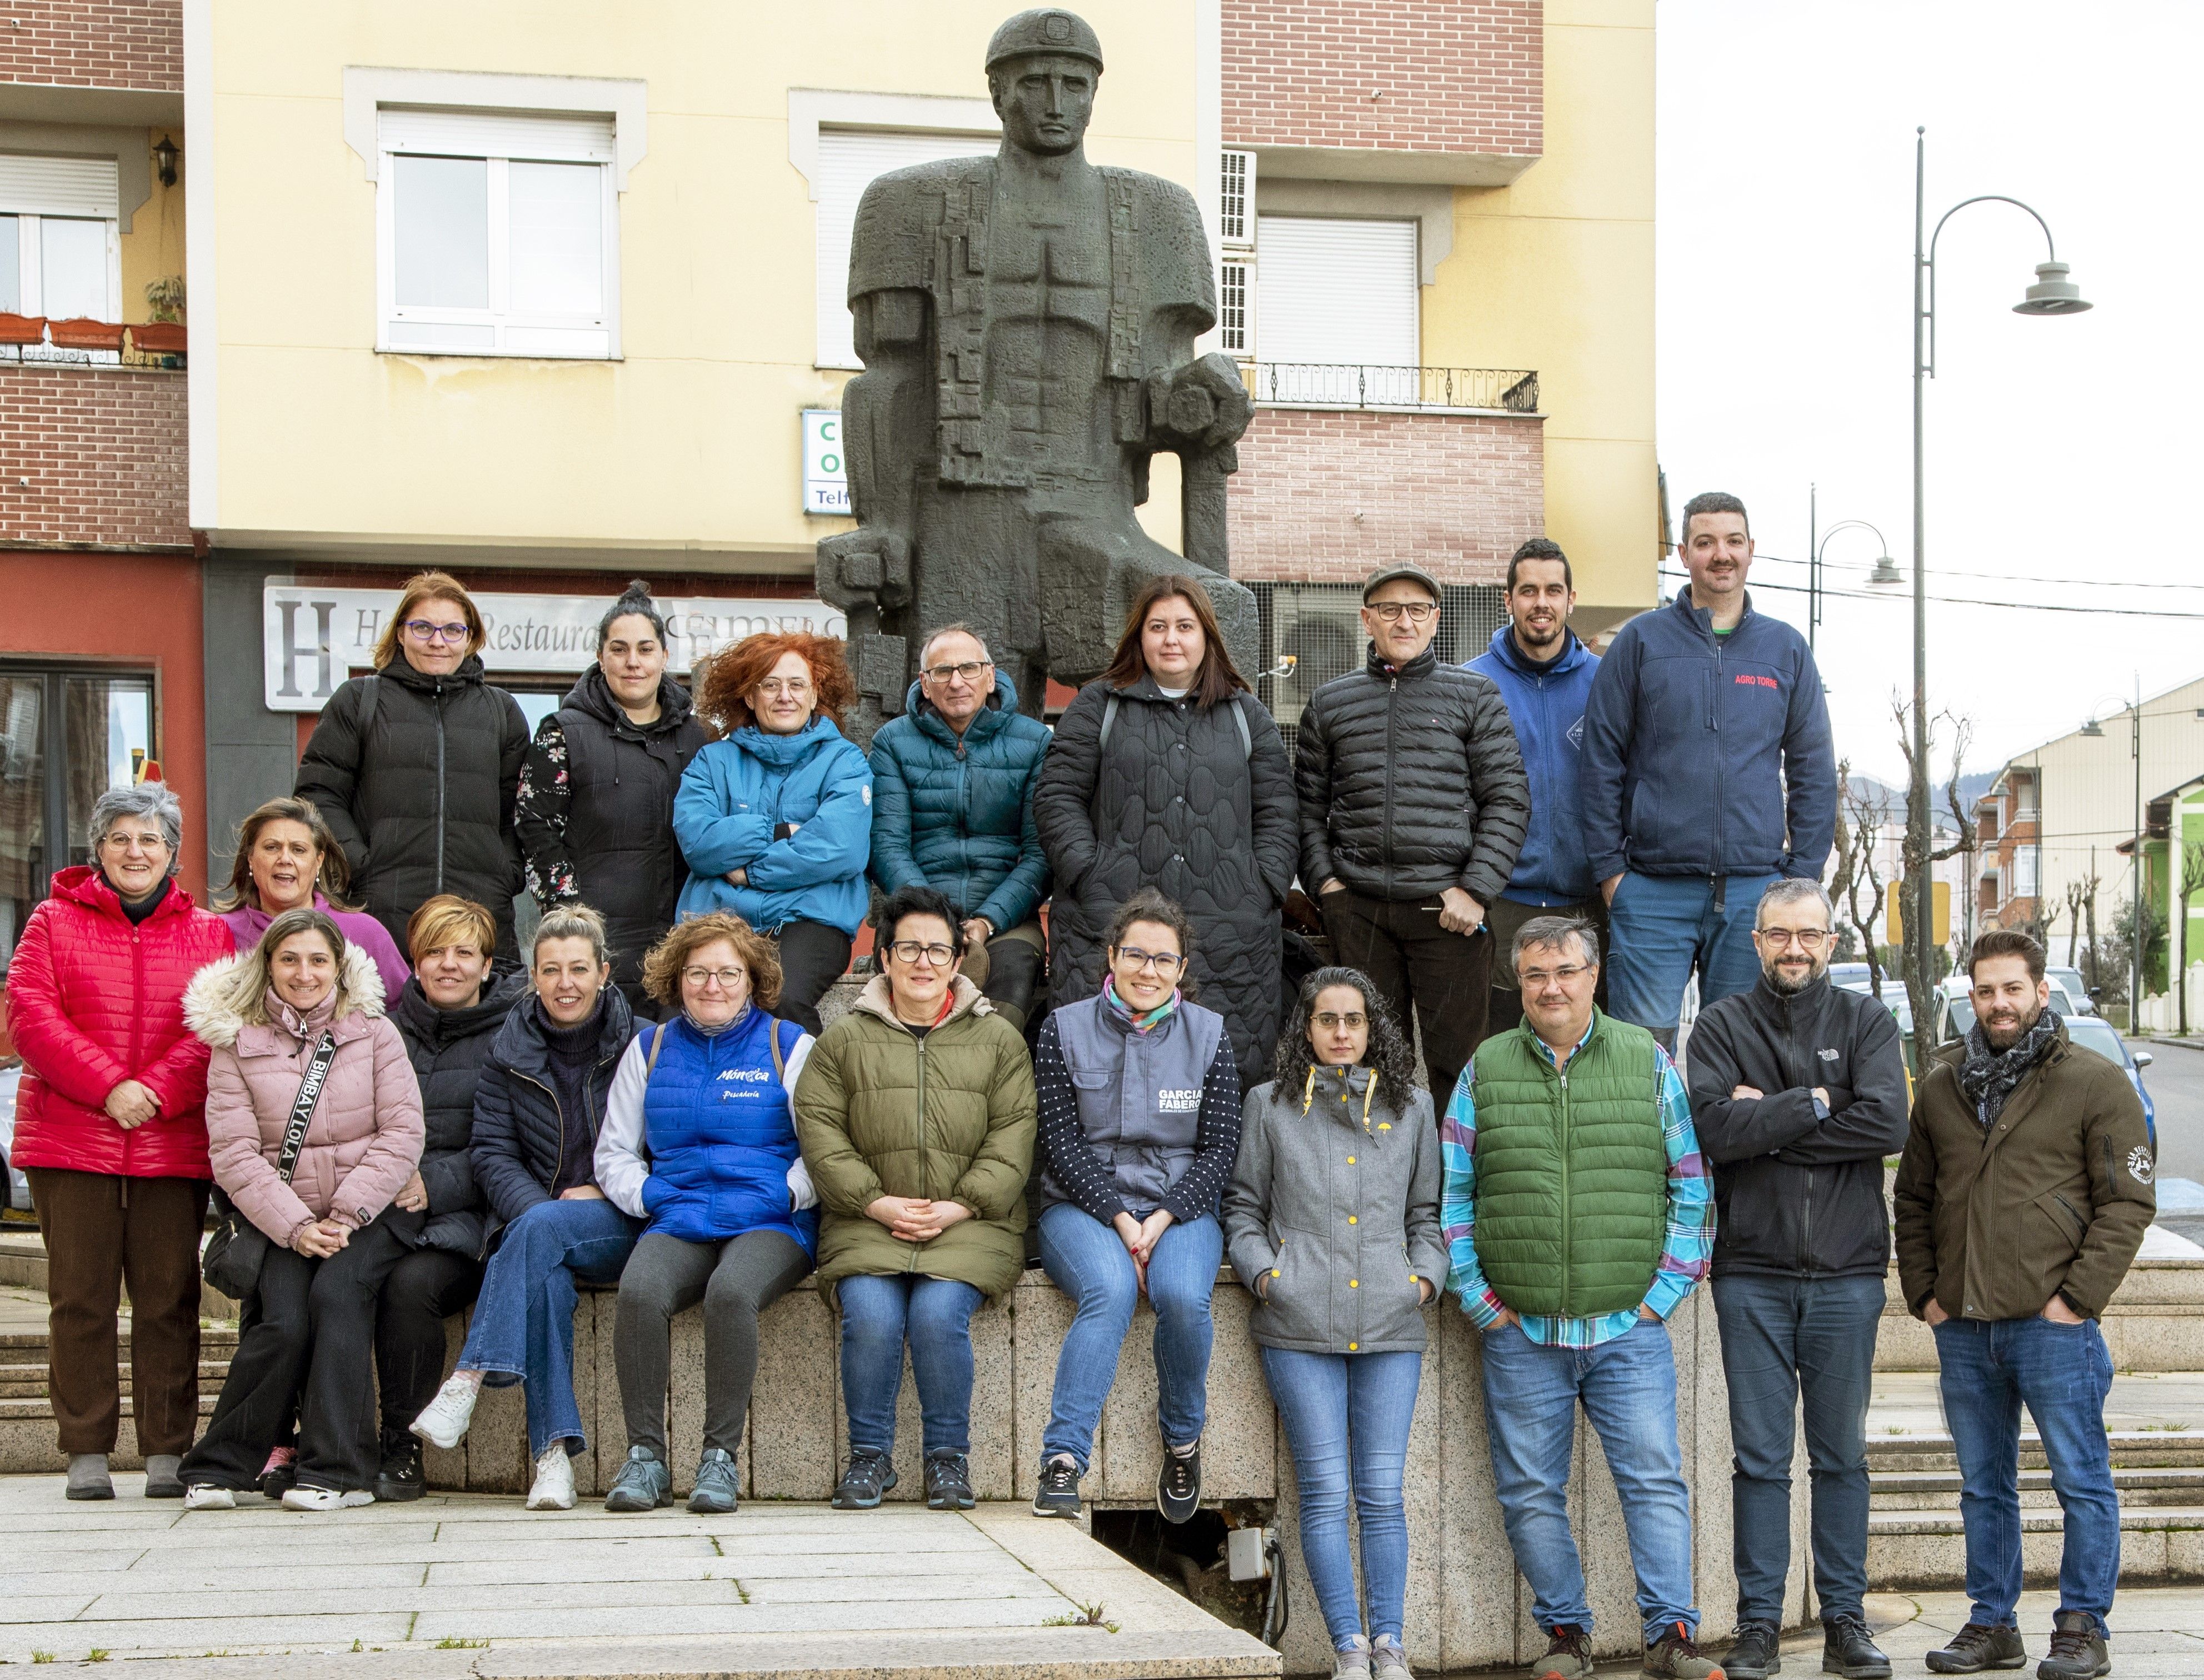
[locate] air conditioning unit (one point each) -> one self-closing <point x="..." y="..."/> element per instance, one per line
<point x="1235" y="201"/>
<point x="1235" y="307"/>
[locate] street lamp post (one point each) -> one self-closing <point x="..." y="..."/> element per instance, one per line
<point x="1884" y="570"/>
<point x="2054" y="293"/>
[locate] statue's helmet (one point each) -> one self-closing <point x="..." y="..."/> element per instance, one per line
<point x="1045" y="29"/>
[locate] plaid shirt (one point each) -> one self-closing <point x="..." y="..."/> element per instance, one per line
<point x="1685" y="1249"/>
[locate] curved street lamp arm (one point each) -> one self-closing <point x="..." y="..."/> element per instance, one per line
<point x="1845" y="525"/>
<point x="1929" y="364"/>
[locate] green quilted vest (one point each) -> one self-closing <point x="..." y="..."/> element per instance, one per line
<point x="1572" y="1177"/>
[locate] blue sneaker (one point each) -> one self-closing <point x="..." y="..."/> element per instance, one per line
<point x="716" y="1492"/>
<point x="643" y="1484"/>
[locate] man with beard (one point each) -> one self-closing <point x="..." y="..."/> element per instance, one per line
<point x="2022" y="1198"/>
<point x="1708" y="773"/>
<point x="1799" y="1093"/>
<point x="1544" y="675"/>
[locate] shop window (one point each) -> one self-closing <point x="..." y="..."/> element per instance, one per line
<point x="66" y="736"/>
<point x="848" y="162"/>
<point x="497" y="234"/>
<point x="1338" y="303"/>
<point x="59" y="255"/>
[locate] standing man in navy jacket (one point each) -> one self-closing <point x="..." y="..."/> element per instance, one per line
<point x="1545" y="675"/>
<point x="1708" y="773"/>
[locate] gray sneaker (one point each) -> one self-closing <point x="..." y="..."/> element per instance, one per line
<point x="1351" y="1662"/>
<point x="643" y="1484"/>
<point x="717" y="1493"/>
<point x="1388" y="1661"/>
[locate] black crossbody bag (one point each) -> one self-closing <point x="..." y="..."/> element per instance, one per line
<point x="238" y="1248"/>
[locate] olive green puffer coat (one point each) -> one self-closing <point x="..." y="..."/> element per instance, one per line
<point x="950" y="1117"/>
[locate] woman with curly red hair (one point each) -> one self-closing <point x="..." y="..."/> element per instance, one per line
<point x="775" y="817"/>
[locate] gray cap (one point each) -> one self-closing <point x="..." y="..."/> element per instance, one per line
<point x="1395" y="573"/>
<point x="1046" y="30"/>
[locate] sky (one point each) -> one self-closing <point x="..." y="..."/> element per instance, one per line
<point x="2062" y="452"/>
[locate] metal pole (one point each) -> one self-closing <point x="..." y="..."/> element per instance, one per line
<point x="2135" y="945"/>
<point x="1813" y="566"/>
<point x="1921" y="926"/>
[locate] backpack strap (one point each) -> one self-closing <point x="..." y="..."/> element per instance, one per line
<point x="1247" y="740"/>
<point x="371" y="692"/>
<point x="1109" y="721"/>
<point x="650" y="1055"/>
<point x="779" y="1066"/>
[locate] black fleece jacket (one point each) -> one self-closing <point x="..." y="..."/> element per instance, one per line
<point x="1798" y="1186"/>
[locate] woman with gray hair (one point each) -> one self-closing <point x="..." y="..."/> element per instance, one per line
<point x="110" y="1130"/>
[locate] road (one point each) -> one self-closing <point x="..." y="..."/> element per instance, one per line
<point x="2175" y="1080"/>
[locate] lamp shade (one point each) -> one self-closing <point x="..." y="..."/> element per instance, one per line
<point x="1885" y="574"/>
<point x="2052" y="293"/>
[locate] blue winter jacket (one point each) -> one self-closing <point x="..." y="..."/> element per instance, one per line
<point x="717" y="1129"/>
<point x="737" y="791"/>
<point x="1546" y="704"/>
<point x="1705" y="754"/>
<point x="958" y="814"/>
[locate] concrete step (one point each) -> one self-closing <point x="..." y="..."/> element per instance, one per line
<point x="31" y="1382"/>
<point x="23" y="1265"/>
<point x="1926" y="1551"/>
<point x="2131" y="1449"/>
<point x="1938" y="1490"/>
<point x="17" y="1412"/>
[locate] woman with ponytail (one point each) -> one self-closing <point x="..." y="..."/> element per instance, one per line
<point x="1332" y="1219"/>
<point x="595" y="811"/>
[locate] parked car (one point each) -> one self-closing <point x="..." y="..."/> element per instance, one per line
<point x="1955" y="1019"/>
<point x="19" y="1187"/>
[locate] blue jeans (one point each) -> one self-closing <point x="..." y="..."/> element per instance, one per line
<point x="1782" y="1337"/>
<point x="1628" y="1388"/>
<point x="1346" y="1418"/>
<point x="1660" y="927"/>
<point x="2062" y="1373"/>
<point x="1087" y="1261"/>
<point x="523" y="1329"/>
<point x="935" y="1314"/>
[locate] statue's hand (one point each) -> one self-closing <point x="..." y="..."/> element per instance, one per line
<point x="867" y="567"/>
<point x="1202" y="406"/>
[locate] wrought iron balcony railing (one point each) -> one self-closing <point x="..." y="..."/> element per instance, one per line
<point x="1366" y="385"/>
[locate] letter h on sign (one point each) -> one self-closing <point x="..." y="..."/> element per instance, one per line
<point x="319" y="651"/>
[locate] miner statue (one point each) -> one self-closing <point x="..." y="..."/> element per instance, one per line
<point x="1027" y="323"/>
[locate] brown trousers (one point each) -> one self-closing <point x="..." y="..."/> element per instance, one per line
<point x="102" y="1231"/>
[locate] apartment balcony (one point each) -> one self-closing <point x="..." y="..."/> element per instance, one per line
<point x="94" y="442"/>
<point x="1407" y="389"/>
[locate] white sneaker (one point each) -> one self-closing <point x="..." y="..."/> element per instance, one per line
<point x="199" y="1496"/>
<point x="326" y="1498"/>
<point x="554" y="1481"/>
<point x="443" y="1421"/>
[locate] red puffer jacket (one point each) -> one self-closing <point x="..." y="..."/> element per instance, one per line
<point x="93" y="1001"/>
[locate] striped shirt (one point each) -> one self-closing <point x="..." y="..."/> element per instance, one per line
<point x="1685" y="1248"/>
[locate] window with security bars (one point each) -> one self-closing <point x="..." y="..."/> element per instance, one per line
<point x="1319" y="627"/>
<point x="1232" y="325"/>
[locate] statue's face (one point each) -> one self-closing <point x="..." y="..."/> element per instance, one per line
<point x="1045" y="101"/>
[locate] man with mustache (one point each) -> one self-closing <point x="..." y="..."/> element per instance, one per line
<point x="1798" y="1093"/>
<point x="1544" y="675"/>
<point x="1708" y="773"/>
<point x="2022" y="1195"/>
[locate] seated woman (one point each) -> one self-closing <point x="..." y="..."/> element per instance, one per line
<point x="538" y="1109"/>
<point x="1340" y="1265"/>
<point x="301" y="1014"/>
<point x="698" y="1143"/>
<point x="1139" y="1119"/>
<point x="448" y="1015"/>
<point x="774" y="817"/>
<point x="915" y="1112"/>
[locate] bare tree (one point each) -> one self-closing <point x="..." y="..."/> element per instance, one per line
<point x="1858" y="889"/>
<point x="2077" y="893"/>
<point x="1921" y="988"/>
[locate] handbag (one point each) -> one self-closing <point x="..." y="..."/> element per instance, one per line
<point x="238" y="1248"/>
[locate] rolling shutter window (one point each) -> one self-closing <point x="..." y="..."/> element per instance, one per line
<point x="574" y="139"/>
<point x="82" y="186"/>
<point x="1337" y="293"/>
<point x="848" y="161"/>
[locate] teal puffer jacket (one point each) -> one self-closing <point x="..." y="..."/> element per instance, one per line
<point x="957" y="815"/>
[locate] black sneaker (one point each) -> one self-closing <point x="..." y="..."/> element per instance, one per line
<point x="1178" y="1489"/>
<point x="948" y="1481"/>
<point x="280" y="1475"/>
<point x="1057" y="1492"/>
<point x="1847" y="1650"/>
<point x="2077" y="1649"/>
<point x="868" y="1479"/>
<point x="399" y="1478"/>
<point x="1755" y="1653"/>
<point x="1976" y="1647"/>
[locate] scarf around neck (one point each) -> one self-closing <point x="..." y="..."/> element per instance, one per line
<point x="1124" y="1012"/>
<point x="1989" y="1077"/>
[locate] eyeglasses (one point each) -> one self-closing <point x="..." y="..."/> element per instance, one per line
<point x="1532" y="977"/>
<point x="1392" y="611"/>
<point x="1332" y="1023"/>
<point x="787" y="685"/>
<point x="422" y="630"/>
<point x="1806" y="939"/>
<point x="729" y="979"/>
<point x="910" y="950"/>
<point x="1165" y="963"/>
<point x="969" y="670"/>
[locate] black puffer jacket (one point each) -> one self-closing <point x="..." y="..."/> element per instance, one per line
<point x="1411" y="782"/>
<point x="1174" y="801"/>
<point x="447" y="1048"/>
<point x="416" y="775"/>
<point x="522" y="1138"/>
<point x="1798" y="1191"/>
<point x="596" y="813"/>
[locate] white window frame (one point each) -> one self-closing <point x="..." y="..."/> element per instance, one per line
<point x="65" y="189"/>
<point x="500" y="317"/>
<point x="32" y="282"/>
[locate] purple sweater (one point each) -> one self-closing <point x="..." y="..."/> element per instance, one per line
<point x="248" y="922"/>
